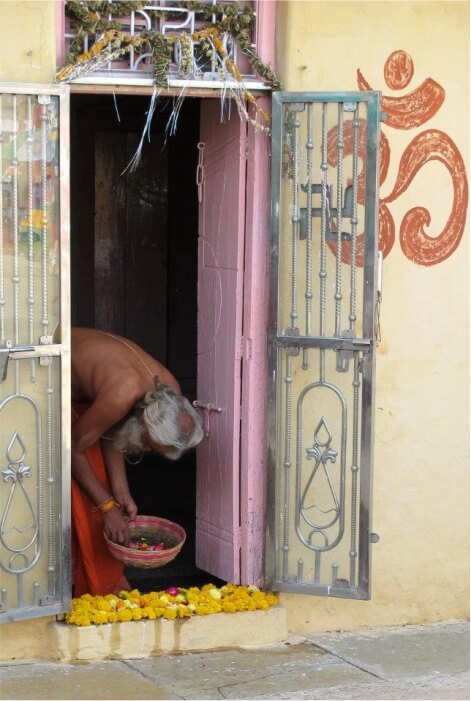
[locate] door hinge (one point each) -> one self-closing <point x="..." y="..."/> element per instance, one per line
<point x="200" y="171"/>
<point x="245" y="348"/>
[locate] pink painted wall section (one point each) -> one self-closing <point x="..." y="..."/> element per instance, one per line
<point x="60" y="31"/>
<point x="265" y="32"/>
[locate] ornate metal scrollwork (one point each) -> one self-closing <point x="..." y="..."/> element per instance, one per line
<point x="19" y="525"/>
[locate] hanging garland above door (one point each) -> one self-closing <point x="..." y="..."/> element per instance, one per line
<point x="217" y="25"/>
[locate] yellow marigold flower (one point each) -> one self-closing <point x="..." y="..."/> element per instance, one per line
<point x="99" y="617"/>
<point x="86" y="597"/>
<point x="125" y="614"/>
<point x="83" y="58"/>
<point x="102" y="604"/>
<point x="207" y="587"/>
<point x="202" y="610"/>
<point x="192" y="591"/>
<point x="131" y="605"/>
<point x="79" y="620"/>
<point x="64" y="73"/>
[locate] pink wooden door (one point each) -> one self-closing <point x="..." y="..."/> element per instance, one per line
<point x="220" y="304"/>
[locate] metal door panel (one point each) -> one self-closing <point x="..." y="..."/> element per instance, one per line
<point x="34" y="353"/>
<point x="322" y="341"/>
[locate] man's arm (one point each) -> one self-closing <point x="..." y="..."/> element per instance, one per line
<point x="104" y="413"/>
<point x="116" y="470"/>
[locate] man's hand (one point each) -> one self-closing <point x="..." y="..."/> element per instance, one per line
<point x="116" y="526"/>
<point x="128" y="506"/>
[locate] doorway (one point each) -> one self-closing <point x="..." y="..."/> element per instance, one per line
<point x="134" y="238"/>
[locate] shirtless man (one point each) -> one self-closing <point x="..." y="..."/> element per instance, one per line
<point x="134" y="405"/>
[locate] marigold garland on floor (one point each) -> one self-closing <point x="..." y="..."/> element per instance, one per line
<point x="172" y="603"/>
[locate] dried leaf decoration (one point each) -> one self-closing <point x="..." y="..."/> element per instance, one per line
<point x="220" y="22"/>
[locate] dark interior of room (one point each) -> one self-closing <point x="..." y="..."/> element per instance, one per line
<point x="134" y="272"/>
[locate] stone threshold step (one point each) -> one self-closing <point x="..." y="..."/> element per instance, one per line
<point x="145" y="638"/>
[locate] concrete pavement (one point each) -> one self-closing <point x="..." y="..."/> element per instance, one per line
<point x="407" y="662"/>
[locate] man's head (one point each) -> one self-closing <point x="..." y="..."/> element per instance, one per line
<point x="163" y="422"/>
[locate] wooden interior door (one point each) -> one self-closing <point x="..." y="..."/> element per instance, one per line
<point x="220" y="304"/>
<point x="134" y="234"/>
<point x="131" y="215"/>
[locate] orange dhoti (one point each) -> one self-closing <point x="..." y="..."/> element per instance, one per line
<point x="94" y="570"/>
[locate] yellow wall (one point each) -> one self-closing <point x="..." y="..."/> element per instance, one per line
<point x="28" y="51"/>
<point x="420" y="565"/>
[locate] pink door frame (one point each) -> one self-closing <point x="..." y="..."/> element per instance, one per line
<point x="255" y="319"/>
<point x="255" y="314"/>
<point x="254" y="369"/>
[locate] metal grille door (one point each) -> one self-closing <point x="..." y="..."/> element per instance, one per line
<point x="34" y="353"/>
<point x="322" y="341"/>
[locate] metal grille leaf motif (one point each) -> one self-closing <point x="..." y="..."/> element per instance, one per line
<point x="18" y="503"/>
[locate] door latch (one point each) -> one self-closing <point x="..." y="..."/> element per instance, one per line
<point x="208" y="408"/>
<point x="344" y="356"/>
<point x="6" y="353"/>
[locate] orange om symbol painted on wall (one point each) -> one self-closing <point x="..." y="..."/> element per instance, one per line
<point x="408" y="112"/>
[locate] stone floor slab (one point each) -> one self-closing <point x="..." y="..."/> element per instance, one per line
<point x="103" y="680"/>
<point x="403" y="651"/>
<point x="244" y="674"/>
<point x="415" y="662"/>
<point x="444" y="687"/>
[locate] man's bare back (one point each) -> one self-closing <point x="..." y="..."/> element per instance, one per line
<point x="101" y="361"/>
<point x="111" y="375"/>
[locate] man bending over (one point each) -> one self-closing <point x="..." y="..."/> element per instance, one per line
<point x="124" y="403"/>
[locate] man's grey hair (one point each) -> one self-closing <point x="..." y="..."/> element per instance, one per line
<point x="171" y="420"/>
